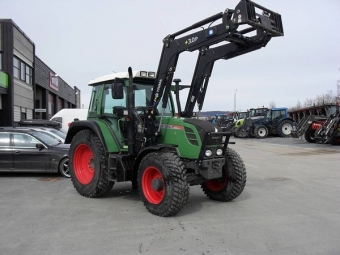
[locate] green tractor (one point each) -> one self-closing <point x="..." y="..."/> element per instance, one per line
<point x="134" y="133"/>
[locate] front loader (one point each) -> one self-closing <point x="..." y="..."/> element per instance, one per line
<point x="310" y="124"/>
<point x="133" y="131"/>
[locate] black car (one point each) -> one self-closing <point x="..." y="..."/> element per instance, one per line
<point x="32" y="151"/>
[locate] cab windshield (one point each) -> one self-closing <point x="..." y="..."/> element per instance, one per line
<point x="142" y="98"/>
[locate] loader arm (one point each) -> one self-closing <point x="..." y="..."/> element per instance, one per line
<point x="244" y="14"/>
<point x="205" y="64"/>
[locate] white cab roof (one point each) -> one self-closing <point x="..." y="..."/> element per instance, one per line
<point x="121" y="75"/>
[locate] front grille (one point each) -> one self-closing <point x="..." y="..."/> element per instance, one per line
<point x="191" y="136"/>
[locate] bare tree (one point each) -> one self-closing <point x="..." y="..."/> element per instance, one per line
<point x="272" y="104"/>
<point x="329" y="98"/>
<point x="298" y="105"/>
<point x="338" y="87"/>
<point x="308" y="102"/>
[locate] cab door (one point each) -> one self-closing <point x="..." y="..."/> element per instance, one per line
<point x="26" y="157"/>
<point x="6" y="152"/>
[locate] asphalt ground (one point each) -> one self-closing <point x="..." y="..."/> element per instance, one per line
<point x="290" y="205"/>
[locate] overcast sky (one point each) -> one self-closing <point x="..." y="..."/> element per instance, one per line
<point x="81" y="40"/>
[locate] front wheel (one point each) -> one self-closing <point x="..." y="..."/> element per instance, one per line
<point x="261" y="132"/>
<point x="285" y="128"/>
<point x="309" y="137"/>
<point x="232" y="182"/>
<point x="88" y="165"/>
<point x="163" y="183"/>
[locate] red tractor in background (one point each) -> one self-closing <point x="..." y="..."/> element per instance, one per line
<point x="320" y="129"/>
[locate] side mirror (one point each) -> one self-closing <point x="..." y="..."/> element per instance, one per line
<point x="117" y="89"/>
<point x="39" y="146"/>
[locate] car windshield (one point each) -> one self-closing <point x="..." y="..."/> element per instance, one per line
<point x="46" y="138"/>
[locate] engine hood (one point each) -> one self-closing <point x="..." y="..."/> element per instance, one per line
<point x="203" y="126"/>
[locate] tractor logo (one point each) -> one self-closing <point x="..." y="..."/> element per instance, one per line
<point x="191" y="40"/>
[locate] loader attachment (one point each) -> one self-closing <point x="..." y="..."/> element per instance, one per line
<point x="236" y="26"/>
<point x="248" y="12"/>
<point x="303" y="125"/>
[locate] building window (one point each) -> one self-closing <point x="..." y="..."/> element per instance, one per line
<point x="28" y="74"/>
<point x="22" y="71"/>
<point x="23" y="115"/>
<point x="16" y="68"/>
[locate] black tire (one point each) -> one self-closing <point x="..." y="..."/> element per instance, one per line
<point x="88" y="165"/>
<point x="335" y="141"/>
<point x="163" y="184"/>
<point x="240" y="132"/>
<point x="233" y="181"/>
<point x="64" y="167"/>
<point x="309" y="137"/>
<point x="285" y="128"/>
<point x="261" y="132"/>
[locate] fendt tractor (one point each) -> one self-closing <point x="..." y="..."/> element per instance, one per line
<point x="133" y="131"/>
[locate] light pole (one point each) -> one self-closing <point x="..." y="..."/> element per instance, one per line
<point x="235" y="101"/>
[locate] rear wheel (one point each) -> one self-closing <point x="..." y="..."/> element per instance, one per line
<point x="64" y="167"/>
<point x="88" y="165"/>
<point x="232" y="182"/>
<point x="261" y="132"/>
<point x="335" y="141"/>
<point x="285" y="128"/>
<point x="163" y="184"/>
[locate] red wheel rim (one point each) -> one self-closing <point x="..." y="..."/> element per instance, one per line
<point x="216" y="185"/>
<point x="153" y="196"/>
<point x="83" y="164"/>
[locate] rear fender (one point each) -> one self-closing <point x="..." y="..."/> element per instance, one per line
<point x="77" y="126"/>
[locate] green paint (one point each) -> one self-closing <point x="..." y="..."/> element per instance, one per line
<point x="3" y="80"/>
<point x="170" y="134"/>
<point x="111" y="136"/>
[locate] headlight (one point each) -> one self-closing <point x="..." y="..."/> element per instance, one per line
<point x="219" y="152"/>
<point x="208" y="153"/>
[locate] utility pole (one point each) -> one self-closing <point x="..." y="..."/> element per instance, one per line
<point x="235" y="101"/>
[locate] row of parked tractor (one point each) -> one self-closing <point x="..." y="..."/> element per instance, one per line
<point x="263" y="122"/>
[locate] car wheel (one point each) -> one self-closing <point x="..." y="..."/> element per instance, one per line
<point x="64" y="167"/>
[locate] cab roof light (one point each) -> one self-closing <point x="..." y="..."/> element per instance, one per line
<point x="143" y="73"/>
<point x="152" y="74"/>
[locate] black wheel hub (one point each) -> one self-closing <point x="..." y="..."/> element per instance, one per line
<point x="157" y="184"/>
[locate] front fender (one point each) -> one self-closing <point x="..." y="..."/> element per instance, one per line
<point x="149" y="149"/>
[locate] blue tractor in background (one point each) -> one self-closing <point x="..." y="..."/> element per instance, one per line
<point x="274" y="121"/>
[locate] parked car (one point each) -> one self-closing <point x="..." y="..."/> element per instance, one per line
<point x="30" y="150"/>
<point x="52" y="132"/>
